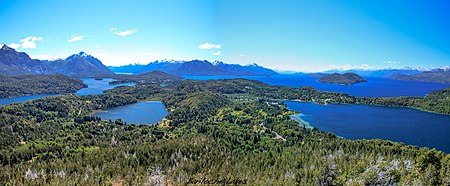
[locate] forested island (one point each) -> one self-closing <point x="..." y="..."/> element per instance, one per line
<point x="22" y="85"/>
<point x="237" y="130"/>
<point x="342" y="79"/>
<point x="153" y="77"/>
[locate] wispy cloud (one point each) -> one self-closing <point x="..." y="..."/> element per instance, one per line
<point x="390" y="62"/>
<point x="14" y="45"/>
<point x="28" y="42"/>
<point x="208" y="46"/>
<point x="48" y="56"/>
<point x="124" y="33"/>
<point x="75" y="37"/>
<point x="218" y="53"/>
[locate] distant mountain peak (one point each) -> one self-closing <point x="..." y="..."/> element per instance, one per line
<point x="83" y="54"/>
<point x="16" y="63"/>
<point x="445" y="68"/>
<point x="216" y="62"/>
<point x="252" y="65"/>
<point x="418" y="68"/>
<point x="6" y="47"/>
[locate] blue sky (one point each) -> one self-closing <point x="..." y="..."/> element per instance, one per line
<point x="285" y="35"/>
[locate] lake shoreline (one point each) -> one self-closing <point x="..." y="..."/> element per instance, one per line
<point x="361" y="121"/>
<point x="141" y="112"/>
<point x="415" y="108"/>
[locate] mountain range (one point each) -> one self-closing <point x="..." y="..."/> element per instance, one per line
<point x="77" y="65"/>
<point x="16" y="63"/>
<point x="84" y="65"/>
<point x="80" y="65"/>
<point x="380" y="73"/>
<point x="439" y="75"/>
<point x="197" y="68"/>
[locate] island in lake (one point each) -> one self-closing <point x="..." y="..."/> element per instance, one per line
<point x="342" y="79"/>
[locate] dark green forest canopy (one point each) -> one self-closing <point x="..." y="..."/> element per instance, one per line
<point x="216" y="130"/>
<point x="22" y="85"/>
<point x="154" y="77"/>
<point x="342" y="79"/>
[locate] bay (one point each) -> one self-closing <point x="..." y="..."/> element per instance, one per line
<point x="407" y="125"/>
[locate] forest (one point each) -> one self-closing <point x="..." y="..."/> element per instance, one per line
<point x="153" y="77"/>
<point x="233" y="130"/>
<point x="22" y="85"/>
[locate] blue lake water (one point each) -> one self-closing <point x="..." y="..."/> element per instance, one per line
<point x="375" y="87"/>
<point x="137" y="113"/>
<point x="406" y="125"/>
<point x="97" y="86"/>
<point x="94" y="87"/>
<point x="5" y="101"/>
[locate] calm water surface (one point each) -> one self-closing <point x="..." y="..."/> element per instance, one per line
<point x="137" y="113"/>
<point x="375" y="87"/>
<point x="98" y="86"/>
<point x="94" y="87"/>
<point x="406" y="125"/>
<point x="5" y="101"/>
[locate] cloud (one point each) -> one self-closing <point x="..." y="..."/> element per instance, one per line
<point x="118" y="32"/>
<point x="348" y="67"/>
<point x="390" y="62"/>
<point x="29" y="42"/>
<point x="48" y="56"/>
<point x="208" y="46"/>
<point x="218" y="53"/>
<point x="112" y="59"/>
<point x="76" y="37"/>
<point x="14" y="45"/>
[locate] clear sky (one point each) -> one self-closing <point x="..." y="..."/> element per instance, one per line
<point x="295" y="35"/>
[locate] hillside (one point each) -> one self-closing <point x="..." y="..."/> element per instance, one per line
<point x="80" y="65"/>
<point x="437" y="75"/>
<point x="21" y="85"/>
<point x="77" y="65"/>
<point x="16" y="63"/>
<point x="342" y="79"/>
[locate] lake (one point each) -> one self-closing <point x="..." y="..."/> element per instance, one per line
<point x="406" y="125"/>
<point x="375" y="87"/>
<point x="6" y="101"/>
<point x="150" y="112"/>
<point x="98" y="86"/>
<point x="94" y="87"/>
